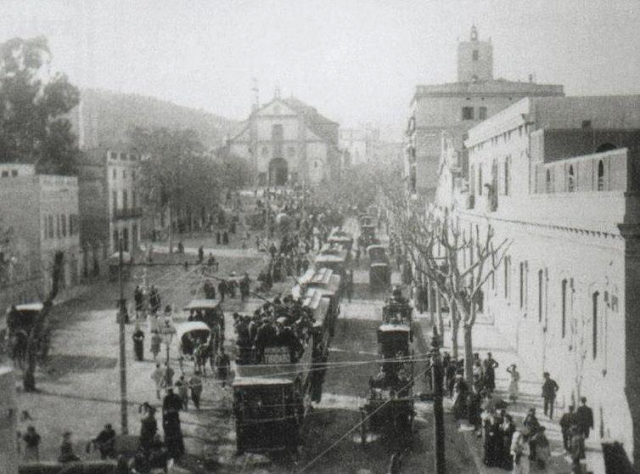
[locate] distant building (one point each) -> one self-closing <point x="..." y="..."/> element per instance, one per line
<point x="40" y="212"/>
<point x="558" y="178"/>
<point x="362" y="144"/>
<point x="450" y="110"/>
<point x="110" y="205"/>
<point x="288" y="141"/>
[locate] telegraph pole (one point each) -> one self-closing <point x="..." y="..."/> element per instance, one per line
<point x="122" y="309"/>
<point x="438" y="411"/>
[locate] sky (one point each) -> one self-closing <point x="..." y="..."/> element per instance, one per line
<point x="356" y="61"/>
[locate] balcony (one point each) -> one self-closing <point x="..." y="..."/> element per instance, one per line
<point x="129" y="213"/>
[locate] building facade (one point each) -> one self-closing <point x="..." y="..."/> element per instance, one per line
<point x="558" y="179"/>
<point x="449" y="110"/>
<point x="288" y="141"/>
<point x="40" y="217"/>
<point x="110" y="205"/>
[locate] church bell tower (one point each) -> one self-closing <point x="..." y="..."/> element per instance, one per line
<point x="475" y="59"/>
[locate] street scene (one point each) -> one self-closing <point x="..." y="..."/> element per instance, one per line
<point x="319" y="237"/>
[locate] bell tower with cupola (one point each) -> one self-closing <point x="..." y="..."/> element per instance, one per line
<point x="475" y="59"/>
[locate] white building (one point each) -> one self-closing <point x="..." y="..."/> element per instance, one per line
<point x="558" y="178"/>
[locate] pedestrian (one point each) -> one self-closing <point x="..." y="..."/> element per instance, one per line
<point x="200" y="254"/>
<point x="171" y="407"/>
<point x="567" y="420"/>
<point x="224" y="364"/>
<point x="513" y="383"/>
<point x="183" y="392"/>
<point x="584" y="417"/>
<point x="156" y="341"/>
<point x="195" y="384"/>
<point x="489" y="372"/>
<point x="138" y="343"/>
<point x="32" y="445"/>
<point x="225" y="238"/>
<point x="358" y="251"/>
<point x="148" y="426"/>
<point x="158" y="378"/>
<point x="520" y="451"/>
<point x="222" y="289"/>
<point x="576" y="445"/>
<point x="507" y="429"/>
<point x="218" y="237"/>
<point x="167" y="376"/>
<point x="549" y="390"/>
<point x="138" y="298"/>
<point x="543" y="448"/>
<point x="66" y="449"/>
<point x="245" y="285"/>
<point x="492" y="442"/>
<point x="106" y="442"/>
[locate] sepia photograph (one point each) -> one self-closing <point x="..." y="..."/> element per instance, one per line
<point x="319" y="236"/>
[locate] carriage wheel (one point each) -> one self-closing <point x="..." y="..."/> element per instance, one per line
<point x="363" y="428"/>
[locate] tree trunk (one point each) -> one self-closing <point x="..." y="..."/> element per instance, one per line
<point x="468" y="354"/>
<point x="455" y="325"/>
<point x="36" y="332"/>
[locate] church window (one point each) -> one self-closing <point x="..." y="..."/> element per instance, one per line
<point x="600" y="175"/>
<point x="482" y="113"/>
<point x="467" y="113"/>
<point x="277" y="132"/>
<point x="476" y="54"/>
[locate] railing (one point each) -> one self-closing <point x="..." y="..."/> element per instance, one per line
<point x="129" y="213"/>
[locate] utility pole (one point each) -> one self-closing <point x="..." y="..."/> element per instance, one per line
<point x="124" y="420"/>
<point x="438" y="411"/>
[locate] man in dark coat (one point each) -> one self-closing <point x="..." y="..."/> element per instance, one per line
<point x="222" y="289"/>
<point x="138" y="343"/>
<point x="245" y="286"/>
<point x="106" y="442"/>
<point x="549" y="389"/>
<point x="171" y="406"/>
<point x="566" y="422"/>
<point x="138" y="297"/>
<point x="584" y="417"/>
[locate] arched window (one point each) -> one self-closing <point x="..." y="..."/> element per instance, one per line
<point x="600" y="175"/>
<point x="547" y="181"/>
<point x="571" y="182"/>
<point x="480" y="180"/>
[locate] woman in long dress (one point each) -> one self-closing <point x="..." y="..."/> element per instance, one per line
<point x="520" y="452"/>
<point x="513" y="384"/>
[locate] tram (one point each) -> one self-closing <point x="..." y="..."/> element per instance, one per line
<point x="389" y="411"/>
<point x="275" y="386"/>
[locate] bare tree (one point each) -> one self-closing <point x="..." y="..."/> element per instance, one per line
<point x="37" y="333"/>
<point x="435" y="245"/>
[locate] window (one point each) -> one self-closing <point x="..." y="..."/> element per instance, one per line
<point x="124" y="174"/>
<point x="507" y="270"/>
<point x="5" y="173"/>
<point x="116" y="241"/>
<point x="480" y="180"/>
<point x="563" y="303"/>
<point x="571" y="183"/>
<point x="115" y="200"/>
<point x="315" y="164"/>
<point x="125" y="199"/>
<point x="482" y="113"/>
<point x="600" y="175"/>
<point x="472" y="180"/>
<point x="114" y="174"/>
<point x="63" y="224"/>
<point x="58" y="225"/>
<point x="14" y="173"/>
<point x="265" y="151"/>
<point x="133" y="199"/>
<point x="507" y="175"/>
<point x="547" y="181"/>
<point x="291" y="151"/>
<point x="476" y="54"/>
<point x="50" y="226"/>
<point x="521" y="284"/>
<point x="594" y="322"/>
<point x="540" y="295"/>
<point x="45" y="232"/>
<point x="277" y="132"/>
<point x="467" y="113"/>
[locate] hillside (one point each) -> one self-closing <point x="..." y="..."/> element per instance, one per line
<point x="104" y="118"/>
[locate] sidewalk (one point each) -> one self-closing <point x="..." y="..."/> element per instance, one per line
<point x="487" y="338"/>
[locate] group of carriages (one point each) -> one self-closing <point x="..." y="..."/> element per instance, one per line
<point x="379" y="264"/>
<point x="273" y="390"/>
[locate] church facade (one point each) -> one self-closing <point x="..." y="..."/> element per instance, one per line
<point x="287" y="142"/>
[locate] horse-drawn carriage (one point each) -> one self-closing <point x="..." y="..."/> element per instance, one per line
<point x="389" y="410"/>
<point x="379" y="268"/>
<point x="342" y="238"/>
